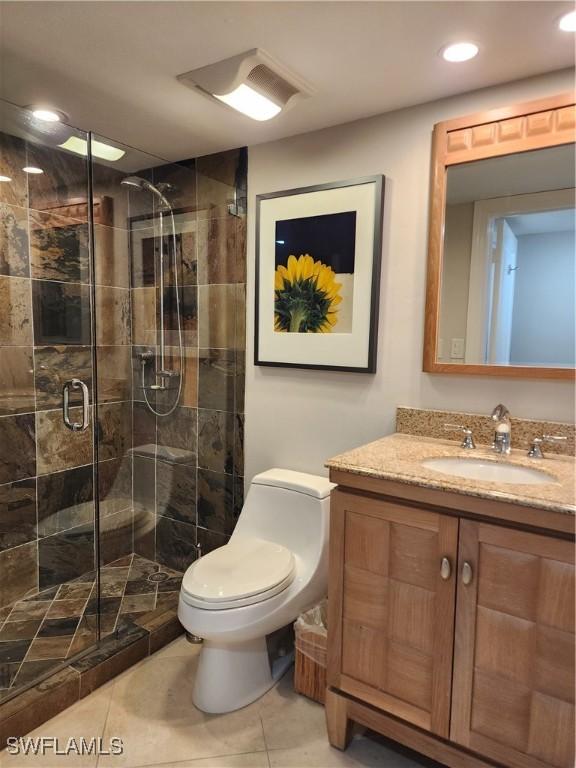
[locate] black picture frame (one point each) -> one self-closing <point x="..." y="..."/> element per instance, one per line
<point x="379" y="182"/>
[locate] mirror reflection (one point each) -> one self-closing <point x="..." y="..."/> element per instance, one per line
<point x="508" y="273"/>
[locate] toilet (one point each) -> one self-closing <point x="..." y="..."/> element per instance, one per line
<point x="273" y="568"/>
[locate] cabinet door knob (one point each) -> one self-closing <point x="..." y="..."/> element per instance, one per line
<point x="467" y="574"/>
<point x="445" y="569"/>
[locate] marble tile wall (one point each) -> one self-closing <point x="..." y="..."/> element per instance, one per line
<point x="188" y="468"/>
<point x="165" y="484"/>
<point x="46" y="471"/>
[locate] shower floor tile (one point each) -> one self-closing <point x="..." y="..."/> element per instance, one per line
<point x="43" y="630"/>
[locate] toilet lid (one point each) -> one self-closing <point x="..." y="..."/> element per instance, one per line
<point x="242" y="568"/>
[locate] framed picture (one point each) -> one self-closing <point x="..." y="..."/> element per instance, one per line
<point x="318" y="253"/>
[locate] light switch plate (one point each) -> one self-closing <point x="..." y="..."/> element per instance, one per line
<point x="457" y="348"/>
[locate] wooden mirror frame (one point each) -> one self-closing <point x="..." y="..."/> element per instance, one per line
<point x="524" y="127"/>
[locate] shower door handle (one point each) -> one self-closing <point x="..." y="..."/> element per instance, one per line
<point x="73" y="425"/>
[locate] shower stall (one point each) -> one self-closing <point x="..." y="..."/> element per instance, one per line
<point x="122" y="305"/>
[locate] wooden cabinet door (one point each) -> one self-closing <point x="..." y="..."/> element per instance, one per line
<point x="513" y="688"/>
<point x="391" y="611"/>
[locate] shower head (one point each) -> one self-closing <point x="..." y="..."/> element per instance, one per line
<point x="138" y="182"/>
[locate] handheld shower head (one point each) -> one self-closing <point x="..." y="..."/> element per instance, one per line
<point x="137" y="182"/>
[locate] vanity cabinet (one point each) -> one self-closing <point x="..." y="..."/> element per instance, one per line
<point x="397" y="611"/>
<point x="513" y="691"/>
<point x="450" y="635"/>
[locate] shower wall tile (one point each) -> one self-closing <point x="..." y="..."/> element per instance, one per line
<point x="55" y="365"/>
<point x="216" y="501"/>
<point x="216" y="380"/>
<point x="17" y="447"/>
<point x="116" y="536"/>
<point x="112" y="256"/>
<point x="176" y="491"/>
<point x="13" y="241"/>
<point x="216" y="441"/>
<point x="144" y="516"/>
<point x="189" y="255"/>
<point x="144" y="484"/>
<point x="149" y="376"/>
<point x="114" y="430"/>
<point x="238" y="495"/>
<point x="12" y="160"/>
<point x="210" y="540"/>
<point x="65" y="556"/>
<point x="238" y="443"/>
<point x="216" y="181"/>
<point x="240" y="381"/>
<point x="61" y="313"/>
<point x="144" y="425"/>
<point x="144" y="316"/>
<point x="181" y="179"/>
<point x="179" y="430"/>
<point x="15" y="311"/>
<point x="19" y="569"/>
<point x="65" y="500"/>
<point x="112" y="316"/>
<point x="188" y="313"/>
<point x="17" y="513"/>
<point x="144" y="254"/>
<point x="114" y="373"/>
<point x="171" y="494"/>
<point x="16" y="380"/>
<point x="115" y="485"/>
<point x="58" y="447"/>
<point x="189" y="396"/>
<point x="221" y="245"/>
<point x="59" y="248"/>
<point x="175" y="543"/>
<point x="240" y="307"/>
<point x="217" y="316"/>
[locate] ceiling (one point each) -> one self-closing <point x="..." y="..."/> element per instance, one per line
<point x="112" y="66"/>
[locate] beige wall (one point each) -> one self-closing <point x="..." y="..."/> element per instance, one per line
<point x="299" y="418"/>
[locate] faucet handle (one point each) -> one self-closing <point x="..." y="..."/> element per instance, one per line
<point x="536" y="452"/>
<point x="468" y="441"/>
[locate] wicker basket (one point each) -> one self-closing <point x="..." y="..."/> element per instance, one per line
<point x="310" y="647"/>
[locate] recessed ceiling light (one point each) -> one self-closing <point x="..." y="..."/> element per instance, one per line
<point x="32" y="169"/>
<point x="46" y="115"/>
<point x="99" y="149"/>
<point x="568" y="22"/>
<point x="5" y="178"/>
<point x="459" y="52"/>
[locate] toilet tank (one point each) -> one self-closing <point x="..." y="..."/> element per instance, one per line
<point x="290" y="508"/>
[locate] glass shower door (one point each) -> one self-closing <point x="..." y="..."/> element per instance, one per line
<point x="49" y="600"/>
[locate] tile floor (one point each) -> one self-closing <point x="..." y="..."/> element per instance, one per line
<point x="149" y="707"/>
<point x="41" y="631"/>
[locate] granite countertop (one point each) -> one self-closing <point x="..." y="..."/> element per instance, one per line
<point x="399" y="457"/>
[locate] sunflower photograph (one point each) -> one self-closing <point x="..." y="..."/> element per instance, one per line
<point x="318" y="253"/>
<point x="314" y="277"/>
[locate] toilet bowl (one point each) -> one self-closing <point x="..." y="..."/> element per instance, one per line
<point x="273" y="568"/>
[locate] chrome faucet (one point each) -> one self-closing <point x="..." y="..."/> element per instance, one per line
<point x="503" y="432"/>
<point x="467" y="440"/>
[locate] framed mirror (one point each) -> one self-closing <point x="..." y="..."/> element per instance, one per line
<point x="501" y="291"/>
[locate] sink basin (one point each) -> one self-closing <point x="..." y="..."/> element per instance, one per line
<point x="491" y="471"/>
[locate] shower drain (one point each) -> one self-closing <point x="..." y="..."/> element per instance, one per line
<point x="158" y="577"/>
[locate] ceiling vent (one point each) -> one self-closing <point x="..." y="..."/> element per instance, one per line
<point x="252" y="83"/>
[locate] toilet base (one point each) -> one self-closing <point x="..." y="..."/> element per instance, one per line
<point x="233" y="675"/>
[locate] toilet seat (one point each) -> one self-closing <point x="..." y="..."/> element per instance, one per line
<point x="245" y="571"/>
